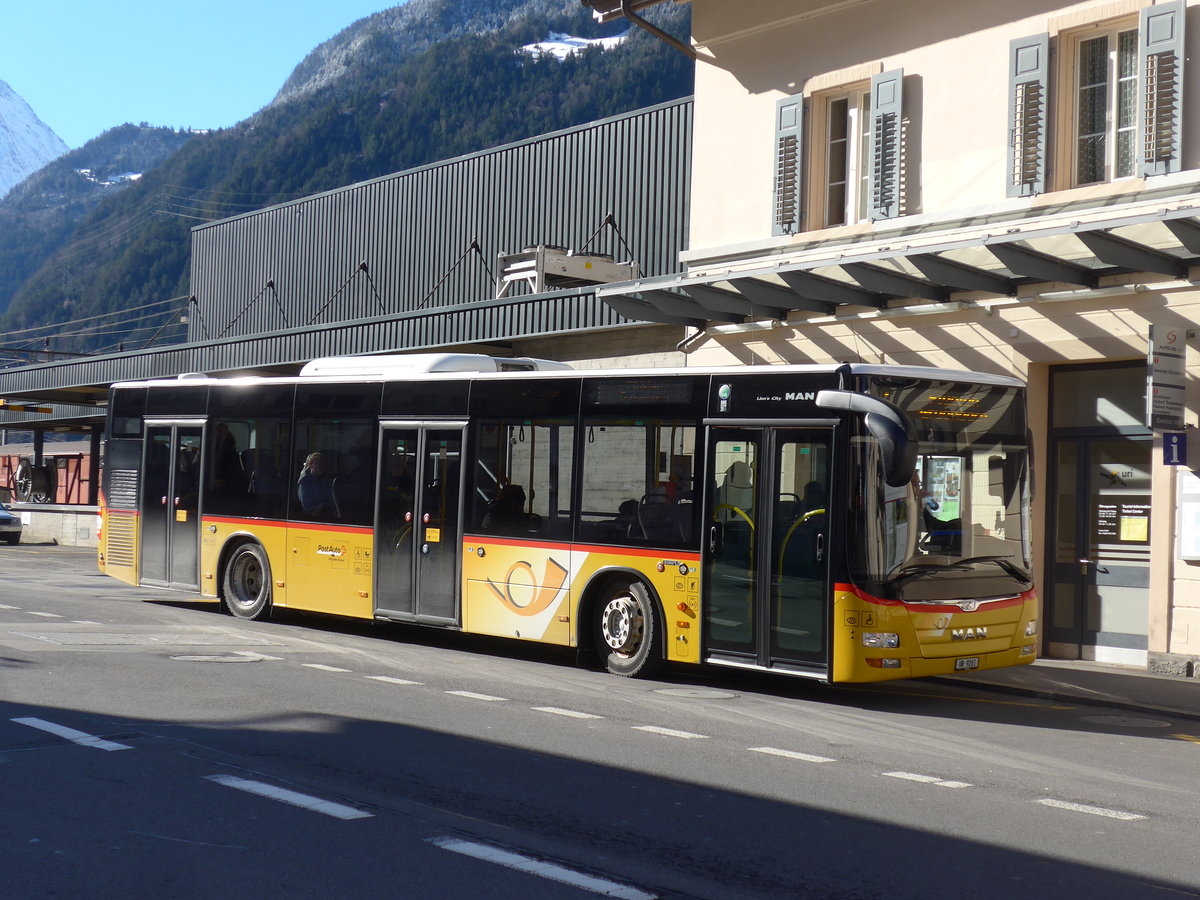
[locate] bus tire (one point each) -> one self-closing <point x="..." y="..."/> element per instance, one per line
<point x="627" y="631"/>
<point x="247" y="582"/>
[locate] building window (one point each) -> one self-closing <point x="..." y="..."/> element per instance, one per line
<point x="847" y="147"/>
<point x="1118" y="111"/>
<point x="1106" y="80"/>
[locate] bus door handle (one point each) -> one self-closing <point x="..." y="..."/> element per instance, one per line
<point x="713" y="538"/>
<point x="820" y="547"/>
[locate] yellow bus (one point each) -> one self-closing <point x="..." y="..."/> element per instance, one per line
<point x="843" y="523"/>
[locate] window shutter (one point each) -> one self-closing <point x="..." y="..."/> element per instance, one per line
<point x="789" y="117"/>
<point x="1028" y="91"/>
<point x="886" y="144"/>
<point x="1160" y="62"/>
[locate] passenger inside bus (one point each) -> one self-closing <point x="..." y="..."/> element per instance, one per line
<point x="315" y="488"/>
<point x="507" y="512"/>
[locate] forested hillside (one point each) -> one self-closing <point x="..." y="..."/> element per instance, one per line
<point x="372" y="101"/>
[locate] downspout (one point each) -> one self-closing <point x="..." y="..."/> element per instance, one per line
<point x="628" y="13"/>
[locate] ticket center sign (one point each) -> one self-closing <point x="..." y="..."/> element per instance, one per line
<point x="1166" y="378"/>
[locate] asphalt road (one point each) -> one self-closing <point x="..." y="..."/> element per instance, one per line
<point x="150" y="745"/>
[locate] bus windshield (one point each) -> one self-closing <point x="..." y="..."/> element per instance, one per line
<point x="959" y="529"/>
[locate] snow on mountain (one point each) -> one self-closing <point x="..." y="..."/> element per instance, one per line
<point x="26" y="142"/>
<point x="560" y="46"/>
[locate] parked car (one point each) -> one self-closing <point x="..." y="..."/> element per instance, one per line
<point x="10" y="524"/>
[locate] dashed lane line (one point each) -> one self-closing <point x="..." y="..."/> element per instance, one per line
<point x="926" y="779"/>
<point x="569" y="713"/>
<point x="294" y="798"/>
<point x="45" y="615"/>
<point x="388" y="679"/>
<point x="6" y="606"/>
<point x="1195" y="739"/>
<point x="1090" y="810"/>
<point x="541" y="868"/>
<point x="792" y="754"/>
<point x="322" y="668"/>
<point x="471" y="695"/>
<point x="78" y="737"/>
<point x="670" y="732"/>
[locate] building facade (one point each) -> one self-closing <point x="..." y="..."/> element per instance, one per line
<point x="1007" y="188"/>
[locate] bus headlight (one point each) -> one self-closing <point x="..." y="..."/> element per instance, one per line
<point x="1031" y="628"/>
<point x="880" y="639"/>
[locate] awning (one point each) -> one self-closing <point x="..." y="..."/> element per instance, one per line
<point x="923" y="265"/>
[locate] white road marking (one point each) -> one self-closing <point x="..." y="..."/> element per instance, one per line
<point x="669" y="732"/>
<point x="926" y="779"/>
<point x="569" y="713"/>
<point x="541" y="868"/>
<point x="1090" y="810"/>
<point x="6" y="606"/>
<point x="45" y="615"/>
<point x="337" y="810"/>
<point x="83" y="622"/>
<point x="390" y="680"/>
<point x="252" y="655"/>
<point x="323" y="668"/>
<point x="471" y="695"/>
<point x="79" y="737"/>
<point x="792" y="754"/>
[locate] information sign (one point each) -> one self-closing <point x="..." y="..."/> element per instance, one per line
<point x="1166" y="378"/>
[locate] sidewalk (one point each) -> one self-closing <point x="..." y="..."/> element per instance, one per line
<point x="1077" y="681"/>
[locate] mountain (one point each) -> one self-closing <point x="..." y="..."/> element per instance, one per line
<point x="429" y="80"/>
<point x="26" y="142"/>
<point x="45" y="212"/>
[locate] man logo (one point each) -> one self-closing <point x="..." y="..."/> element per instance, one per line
<point x="968" y="634"/>
<point x="800" y="395"/>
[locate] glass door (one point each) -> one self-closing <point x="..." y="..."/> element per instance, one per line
<point x="766" y="564"/>
<point x="418" y="522"/>
<point x="1100" y="574"/>
<point x="170" y="504"/>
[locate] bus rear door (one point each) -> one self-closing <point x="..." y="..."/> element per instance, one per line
<point x="766" y="566"/>
<point x="170" y="503"/>
<point x="418" y="522"/>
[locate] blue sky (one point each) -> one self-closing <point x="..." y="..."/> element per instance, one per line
<point x="85" y="67"/>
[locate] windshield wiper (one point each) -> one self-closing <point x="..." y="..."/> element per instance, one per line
<point x="959" y="565"/>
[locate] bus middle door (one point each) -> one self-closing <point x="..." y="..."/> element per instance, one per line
<point x="766" y="582"/>
<point x="418" y="522"/>
<point x="170" y="504"/>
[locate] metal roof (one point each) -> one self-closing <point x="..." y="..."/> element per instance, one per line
<point x="927" y="264"/>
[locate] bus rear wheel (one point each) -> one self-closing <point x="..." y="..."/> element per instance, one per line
<point x="627" y="629"/>
<point x="248" y="582"/>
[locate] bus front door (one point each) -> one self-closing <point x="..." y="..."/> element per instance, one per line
<point x="170" y="504"/>
<point x="766" y="584"/>
<point x="418" y="523"/>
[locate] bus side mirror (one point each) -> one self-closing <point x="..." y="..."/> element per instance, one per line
<point x="887" y="423"/>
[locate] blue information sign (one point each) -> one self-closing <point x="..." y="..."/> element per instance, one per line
<point x="1175" y="448"/>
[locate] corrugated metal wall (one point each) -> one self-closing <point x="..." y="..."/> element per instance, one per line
<point x="393" y="248"/>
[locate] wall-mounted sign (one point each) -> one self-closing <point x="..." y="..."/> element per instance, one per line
<point x="1175" y="448"/>
<point x="1166" y="378"/>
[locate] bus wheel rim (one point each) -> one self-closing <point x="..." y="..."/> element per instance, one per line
<point x="622" y="624"/>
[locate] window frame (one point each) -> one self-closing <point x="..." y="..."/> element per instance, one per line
<point x="858" y="170"/>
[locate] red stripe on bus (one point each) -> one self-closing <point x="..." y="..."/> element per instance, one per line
<point x="299" y="526"/>
<point x="859" y="593"/>
<point x="648" y="552"/>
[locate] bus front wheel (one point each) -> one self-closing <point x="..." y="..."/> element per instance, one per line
<point x="248" y="582"/>
<point x="627" y="627"/>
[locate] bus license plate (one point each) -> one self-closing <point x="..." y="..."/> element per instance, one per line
<point x="967" y="662"/>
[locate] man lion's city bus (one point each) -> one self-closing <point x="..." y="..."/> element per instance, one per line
<point x="844" y="523"/>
